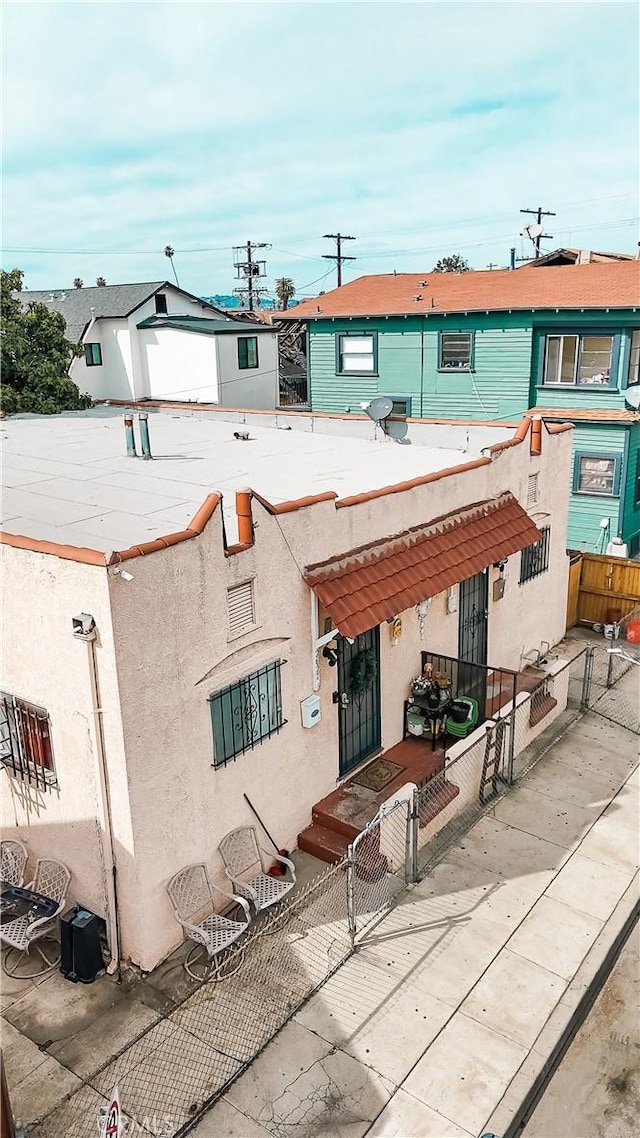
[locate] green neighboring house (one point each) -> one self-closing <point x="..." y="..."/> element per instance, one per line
<point x="564" y="341"/>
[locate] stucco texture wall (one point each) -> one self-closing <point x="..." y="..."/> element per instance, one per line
<point x="44" y="664"/>
<point x="173" y="649"/>
<point x="179" y="364"/>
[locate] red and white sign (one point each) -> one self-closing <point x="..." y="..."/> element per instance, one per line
<point x="113" y="1127"/>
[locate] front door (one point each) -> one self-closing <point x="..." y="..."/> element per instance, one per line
<point x="472" y="637"/>
<point x="358" y="707"/>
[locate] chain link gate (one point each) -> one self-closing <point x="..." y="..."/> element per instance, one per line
<point x="612" y="684"/>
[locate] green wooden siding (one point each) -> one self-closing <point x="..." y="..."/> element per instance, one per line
<point x="631" y="510"/>
<point x="586" y="511"/>
<point x="408" y="365"/>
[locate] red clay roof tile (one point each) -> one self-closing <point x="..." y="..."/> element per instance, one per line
<point x="360" y="591"/>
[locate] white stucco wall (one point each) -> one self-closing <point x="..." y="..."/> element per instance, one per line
<point x="113" y="379"/>
<point x="250" y="387"/>
<point x="43" y="663"/>
<point x="179" y="364"/>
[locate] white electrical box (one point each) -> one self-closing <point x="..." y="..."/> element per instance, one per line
<point x="310" y="710"/>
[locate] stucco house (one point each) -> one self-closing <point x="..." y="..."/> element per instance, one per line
<point x="560" y="339"/>
<point x="156" y="341"/>
<point x="187" y="628"/>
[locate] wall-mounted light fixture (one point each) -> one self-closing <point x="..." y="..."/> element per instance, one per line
<point x="330" y="653"/>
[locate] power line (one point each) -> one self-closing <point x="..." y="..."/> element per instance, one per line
<point x="338" y="256"/>
<point x="534" y="232"/>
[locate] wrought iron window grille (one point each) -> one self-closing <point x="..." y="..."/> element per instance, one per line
<point x="25" y="742"/>
<point x="535" y="558"/>
<point x="246" y="713"/>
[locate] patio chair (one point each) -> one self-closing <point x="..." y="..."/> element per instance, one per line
<point x="13" y="862"/>
<point x="51" y="880"/>
<point x="466" y="718"/>
<point x="245" y="864"/>
<point x="194" y="903"/>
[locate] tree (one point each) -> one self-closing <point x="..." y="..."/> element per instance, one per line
<point x="78" y="282"/>
<point x="452" y="264"/>
<point x="101" y="282"/>
<point x="170" y="252"/>
<point x="35" y="355"/>
<point x="285" y="291"/>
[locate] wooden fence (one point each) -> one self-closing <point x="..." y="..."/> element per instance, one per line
<point x="601" y="589"/>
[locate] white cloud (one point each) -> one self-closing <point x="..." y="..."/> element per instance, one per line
<point x="132" y="125"/>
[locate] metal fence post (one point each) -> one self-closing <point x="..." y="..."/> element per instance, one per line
<point x="586" y="677"/>
<point x="610" y="670"/>
<point x="412" y="837"/>
<point x="512" y="734"/>
<point x="351" y="897"/>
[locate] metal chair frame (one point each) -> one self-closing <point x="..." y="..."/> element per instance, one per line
<point x="242" y="855"/>
<point x="13" y="862"/>
<point x="194" y="903"/>
<point x="51" y="879"/>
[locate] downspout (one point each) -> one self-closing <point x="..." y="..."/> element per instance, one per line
<point x="622" y="500"/>
<point x="110" y="866"/>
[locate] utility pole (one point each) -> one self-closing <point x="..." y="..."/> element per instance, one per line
<point x="249" y="270"/>
<point x="539" y="213"/>
<point x="338" y="256"/>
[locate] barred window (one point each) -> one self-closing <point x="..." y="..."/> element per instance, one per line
<point x="246" y="713"/>
<point x="25" y="741"/>
<point x="534" y="559"/>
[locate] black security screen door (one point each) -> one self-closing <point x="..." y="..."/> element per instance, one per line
<point x="358" y="712"/>
<point x="472" y="636"/>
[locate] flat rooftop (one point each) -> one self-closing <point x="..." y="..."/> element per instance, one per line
<point x="68" y="479"/>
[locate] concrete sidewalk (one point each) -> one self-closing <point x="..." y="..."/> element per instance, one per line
<point x="446" y="1016"/>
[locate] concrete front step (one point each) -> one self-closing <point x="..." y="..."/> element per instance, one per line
<point x="325" y="844"/>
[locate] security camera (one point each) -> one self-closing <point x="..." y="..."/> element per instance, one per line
<point x="83" y="626"/>
<point x="119" y="572"/>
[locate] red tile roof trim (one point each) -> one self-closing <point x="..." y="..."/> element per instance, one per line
<point x="400" y="487"/>
<point x="95" y="557"/>
<point x="365" y="588"/>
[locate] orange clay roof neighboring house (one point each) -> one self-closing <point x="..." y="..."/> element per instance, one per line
<point x="374" y="584"/>
<point x="586" y="414"/>
<point x="608" y="285"/>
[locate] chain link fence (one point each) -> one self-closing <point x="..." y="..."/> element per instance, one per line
<point x="613" y="684"/>
<point x="170" y="1075"/>
<point x="175" y="1070"/>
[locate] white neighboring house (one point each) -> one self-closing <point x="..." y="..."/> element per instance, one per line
<point x="156" y="341"/>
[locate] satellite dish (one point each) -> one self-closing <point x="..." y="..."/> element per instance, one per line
<point x="380" y="409"/>
<point x="396" y="428"/>
<point x="632" y="398"/>
<point x="532" y="231"/>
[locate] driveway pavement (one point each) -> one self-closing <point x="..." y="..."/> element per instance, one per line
<point x="446" y="1016"/>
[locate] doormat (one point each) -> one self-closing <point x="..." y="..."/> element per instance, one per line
<point x="378" y="775"/>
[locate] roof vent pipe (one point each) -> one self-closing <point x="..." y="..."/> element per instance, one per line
<point x="131" y="438"/>
<point x="245" y="517"/>
<point x="143" y="420"/>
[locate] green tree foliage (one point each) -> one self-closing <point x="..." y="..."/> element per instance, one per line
<point x="453" y="264"/>
<point x="35" y="356"/>
<point x="285" y="291"/>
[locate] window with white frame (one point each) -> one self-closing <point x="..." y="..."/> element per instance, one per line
<point x="578" y="360"/>
<point x="633" y="375"/>
<point x="357" y="354"/>
<point x="456" y="349"/>
<point x="596" y="474"/>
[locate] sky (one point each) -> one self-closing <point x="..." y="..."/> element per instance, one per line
<point x="419" y="128"/>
